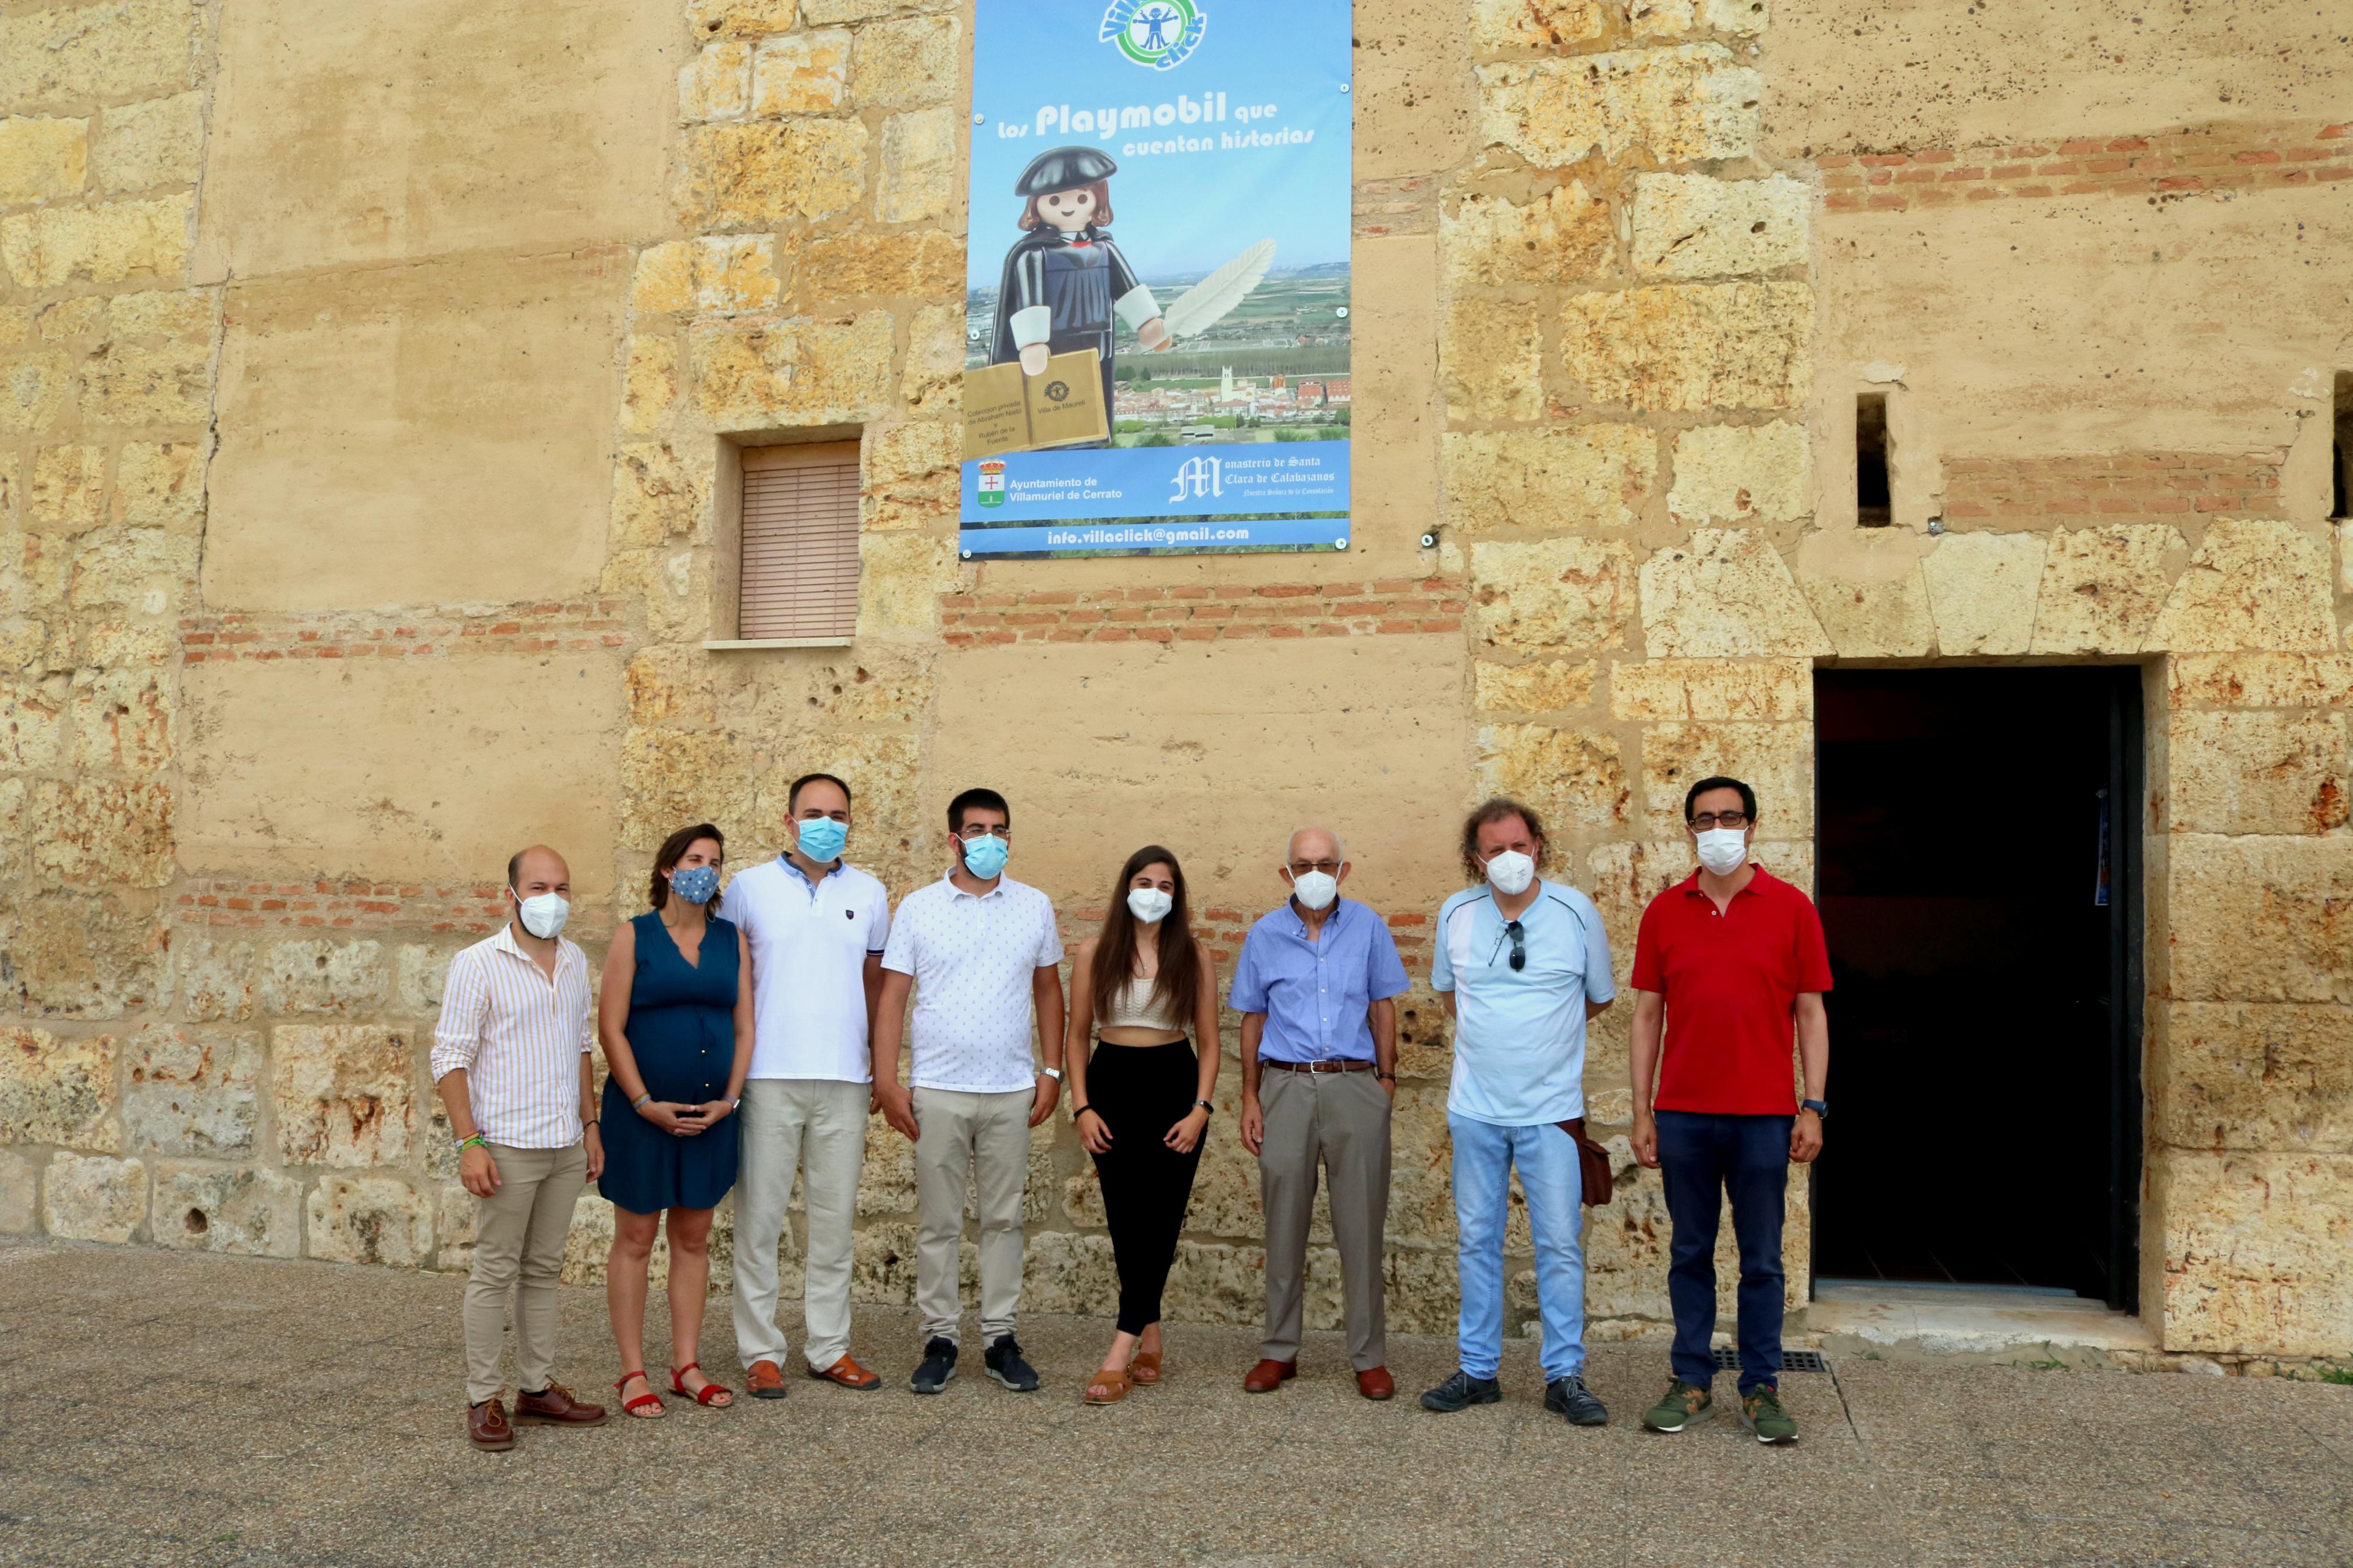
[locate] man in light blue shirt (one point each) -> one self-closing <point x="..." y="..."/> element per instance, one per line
<point x="1316" y="986"/>
<point x="1521" y="964"/>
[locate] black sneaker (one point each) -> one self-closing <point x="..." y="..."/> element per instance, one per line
<point x="938" y="1369"/>
<point x="1462" y="1391"/>
<point x="1004" y="1362"/>
<point x="1568" y="1396"/>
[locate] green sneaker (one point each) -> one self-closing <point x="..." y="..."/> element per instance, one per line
<point x="1761" y="1413"/>
<point x="1684" y="1404"/>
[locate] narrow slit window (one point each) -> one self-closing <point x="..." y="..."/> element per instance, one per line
<point x="1872" y="507"/>
<point x="2340" y="451"/>
<point x="800" y="543"/>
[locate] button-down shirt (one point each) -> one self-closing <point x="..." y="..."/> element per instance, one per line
<point x="809" y="944"/>
<point x="1315" y="994"/>
<point x="973" y="957"/>
<point x="1519" y="1036"/>
<point x="519" y="1039"/>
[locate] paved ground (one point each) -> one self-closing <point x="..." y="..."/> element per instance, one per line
<point x="159" y="1409"/>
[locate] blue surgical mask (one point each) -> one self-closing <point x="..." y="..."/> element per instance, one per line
<point x="822" y="838"/>
<point x="695" y="884"/>
<point x="985" y="857"/>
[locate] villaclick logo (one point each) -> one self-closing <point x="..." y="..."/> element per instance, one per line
<point x="1157" y="34"/>
<point x="992" y="483"/>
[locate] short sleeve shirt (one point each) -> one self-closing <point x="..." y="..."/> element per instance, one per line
<point x="809" y="941"/>
<point x="1315" y="994"/>
<point x="1730" y="980"/>
<point x="1519" y="1036"/>
<point x="971" y="956"/>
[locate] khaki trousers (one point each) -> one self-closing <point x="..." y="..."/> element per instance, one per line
<point x="785" y="1122"/>
<point x="519" y="1232"/>
<point x="1342" y="1120"/>
<point x="968" y="1141"/>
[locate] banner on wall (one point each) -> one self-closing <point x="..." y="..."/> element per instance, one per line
<point x="1156" y="328"/>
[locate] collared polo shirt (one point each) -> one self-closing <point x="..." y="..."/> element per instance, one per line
<point x="973" y="957"/>
<point x="519" y="1039"/>
<point x="1730" y="980"/>
<point x="809" y="941"/>
<point x="1315" y="994"/>
<point x="1519" y="1035"/>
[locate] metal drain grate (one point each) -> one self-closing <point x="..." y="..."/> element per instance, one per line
<point x="1727" y="1359"/>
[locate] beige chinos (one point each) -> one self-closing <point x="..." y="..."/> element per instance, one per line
<point x="967" y="1140"/>
<point x="1340" y="1119"/>
<point x="519" y="1234"/>
<point x="786" y="1121"/>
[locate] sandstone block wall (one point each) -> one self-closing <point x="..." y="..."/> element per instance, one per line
<point x="370" y="387"/>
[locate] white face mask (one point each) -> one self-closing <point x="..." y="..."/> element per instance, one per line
<point x="1316" y="889"/>
<point x="545" y="915"/>
<point x="1149" y="905"/>
<point x="1724" y="850"/>
<point x="1510" y="872"/>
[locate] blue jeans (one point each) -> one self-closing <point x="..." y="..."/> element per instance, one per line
<point x="1703" y="1157"/>
<point x="1484" y="1154"/>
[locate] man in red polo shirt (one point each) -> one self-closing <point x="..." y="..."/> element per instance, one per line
<point x="1729" y="967"/>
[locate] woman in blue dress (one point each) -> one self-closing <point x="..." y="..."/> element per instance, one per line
<point x="676" y="1023"/>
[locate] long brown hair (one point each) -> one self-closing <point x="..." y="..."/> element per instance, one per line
<point x="673" y="849"/>
<point x="1179" y="979"/>
<point x="1033" y="218"/>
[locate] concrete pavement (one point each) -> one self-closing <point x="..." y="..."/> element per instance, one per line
<point x="161" y="1408"/>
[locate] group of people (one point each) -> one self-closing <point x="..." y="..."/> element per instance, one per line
<point x="748" y="1030"/>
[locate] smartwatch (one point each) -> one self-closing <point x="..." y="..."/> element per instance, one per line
<point x="1820" y="1107"/>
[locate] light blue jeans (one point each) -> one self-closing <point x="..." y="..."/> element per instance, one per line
<point x="1484" y="1154"/>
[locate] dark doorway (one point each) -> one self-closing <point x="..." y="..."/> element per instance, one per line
<point x="1979" y="877"/>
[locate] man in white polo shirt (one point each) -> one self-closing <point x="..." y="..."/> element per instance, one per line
<point x="981" y="955"/>
<point x="817" y="926"/>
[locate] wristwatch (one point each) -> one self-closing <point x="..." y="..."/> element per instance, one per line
<point x="1055" y="1073"/>
<point x="1820" y="1107"/>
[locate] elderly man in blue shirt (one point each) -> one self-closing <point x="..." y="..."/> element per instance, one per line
<point x="1315" y="986"/>
<point x="1521" y="964"/>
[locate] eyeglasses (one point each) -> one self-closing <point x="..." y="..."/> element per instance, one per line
<point x="973" y="830"/>
<point x="1519" y="935"/>
<point x="1329" y="867"/>
<point x="1708" y="819"/>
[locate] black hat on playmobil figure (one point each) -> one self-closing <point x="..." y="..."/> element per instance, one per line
<point x="1064" y="169"/>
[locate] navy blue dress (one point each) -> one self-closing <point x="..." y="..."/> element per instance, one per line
<point x="681" y="1030"/>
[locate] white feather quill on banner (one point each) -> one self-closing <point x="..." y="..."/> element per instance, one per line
<point x="1210" y="301"/>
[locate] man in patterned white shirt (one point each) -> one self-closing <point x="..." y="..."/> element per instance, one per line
<point x="511" y="1058"/>
<point x="980" y="952"/>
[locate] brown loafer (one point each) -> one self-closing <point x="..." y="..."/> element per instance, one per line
<point x="486" y="1424"/>
<point x="849" y="1375"/>
<point x="1145" y="1367"/>
<point x="555" y="1406"/>
<point x="765" y="1380"/>
<point x="1375" y="1382"/>
<point x="1269" y="1375"/>
<point x="1108" y="1387"/>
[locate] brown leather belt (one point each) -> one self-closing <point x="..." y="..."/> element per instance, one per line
<point x="1337" y="1064"/>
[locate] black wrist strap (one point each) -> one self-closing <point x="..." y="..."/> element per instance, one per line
<point x="1079" y="1111"/>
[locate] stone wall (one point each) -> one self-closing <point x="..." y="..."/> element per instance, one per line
<point x="477" y="362"/>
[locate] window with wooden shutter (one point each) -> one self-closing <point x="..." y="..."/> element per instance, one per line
<point x="799" y="575"/>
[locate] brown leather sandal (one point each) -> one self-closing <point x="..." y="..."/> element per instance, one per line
<point x="1108" y="1387"/>
<point x="1145" y="1368"/>
<point x="645" y="1406"/>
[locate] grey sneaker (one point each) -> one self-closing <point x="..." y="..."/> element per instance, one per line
<point x="1004" y="1363"/>
<point x="1684" y="1404"/>
<point x="1568" y="1396"/>
<point x="1461" y="1391"/>
<point x="1761" y="1413"/>
<point x="938" y="1369"/>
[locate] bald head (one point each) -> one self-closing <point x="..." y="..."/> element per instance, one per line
<point x="539" y="870"/>
<point x="1314" y="844"/>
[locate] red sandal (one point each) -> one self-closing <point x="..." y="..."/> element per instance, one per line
<point x="712" y="1394"/>
<point x="648" y="1400"/>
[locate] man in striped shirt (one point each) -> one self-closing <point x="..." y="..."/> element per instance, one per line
<point x="511" y="1058"/>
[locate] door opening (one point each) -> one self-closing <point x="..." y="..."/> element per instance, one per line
<point x="1978" y="866"/>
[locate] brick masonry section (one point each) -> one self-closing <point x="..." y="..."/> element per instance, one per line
<point x="2042" y="492"/>
<point x="257" y="905"/>
<point x="1392" y="606"/>
<point x="2152" y="167"/>
<point x="413" y="634"/>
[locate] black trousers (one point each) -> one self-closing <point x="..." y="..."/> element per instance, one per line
<point x="1141" y="1092"/>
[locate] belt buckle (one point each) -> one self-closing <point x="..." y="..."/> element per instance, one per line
<point x="1324" y="1064"/>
